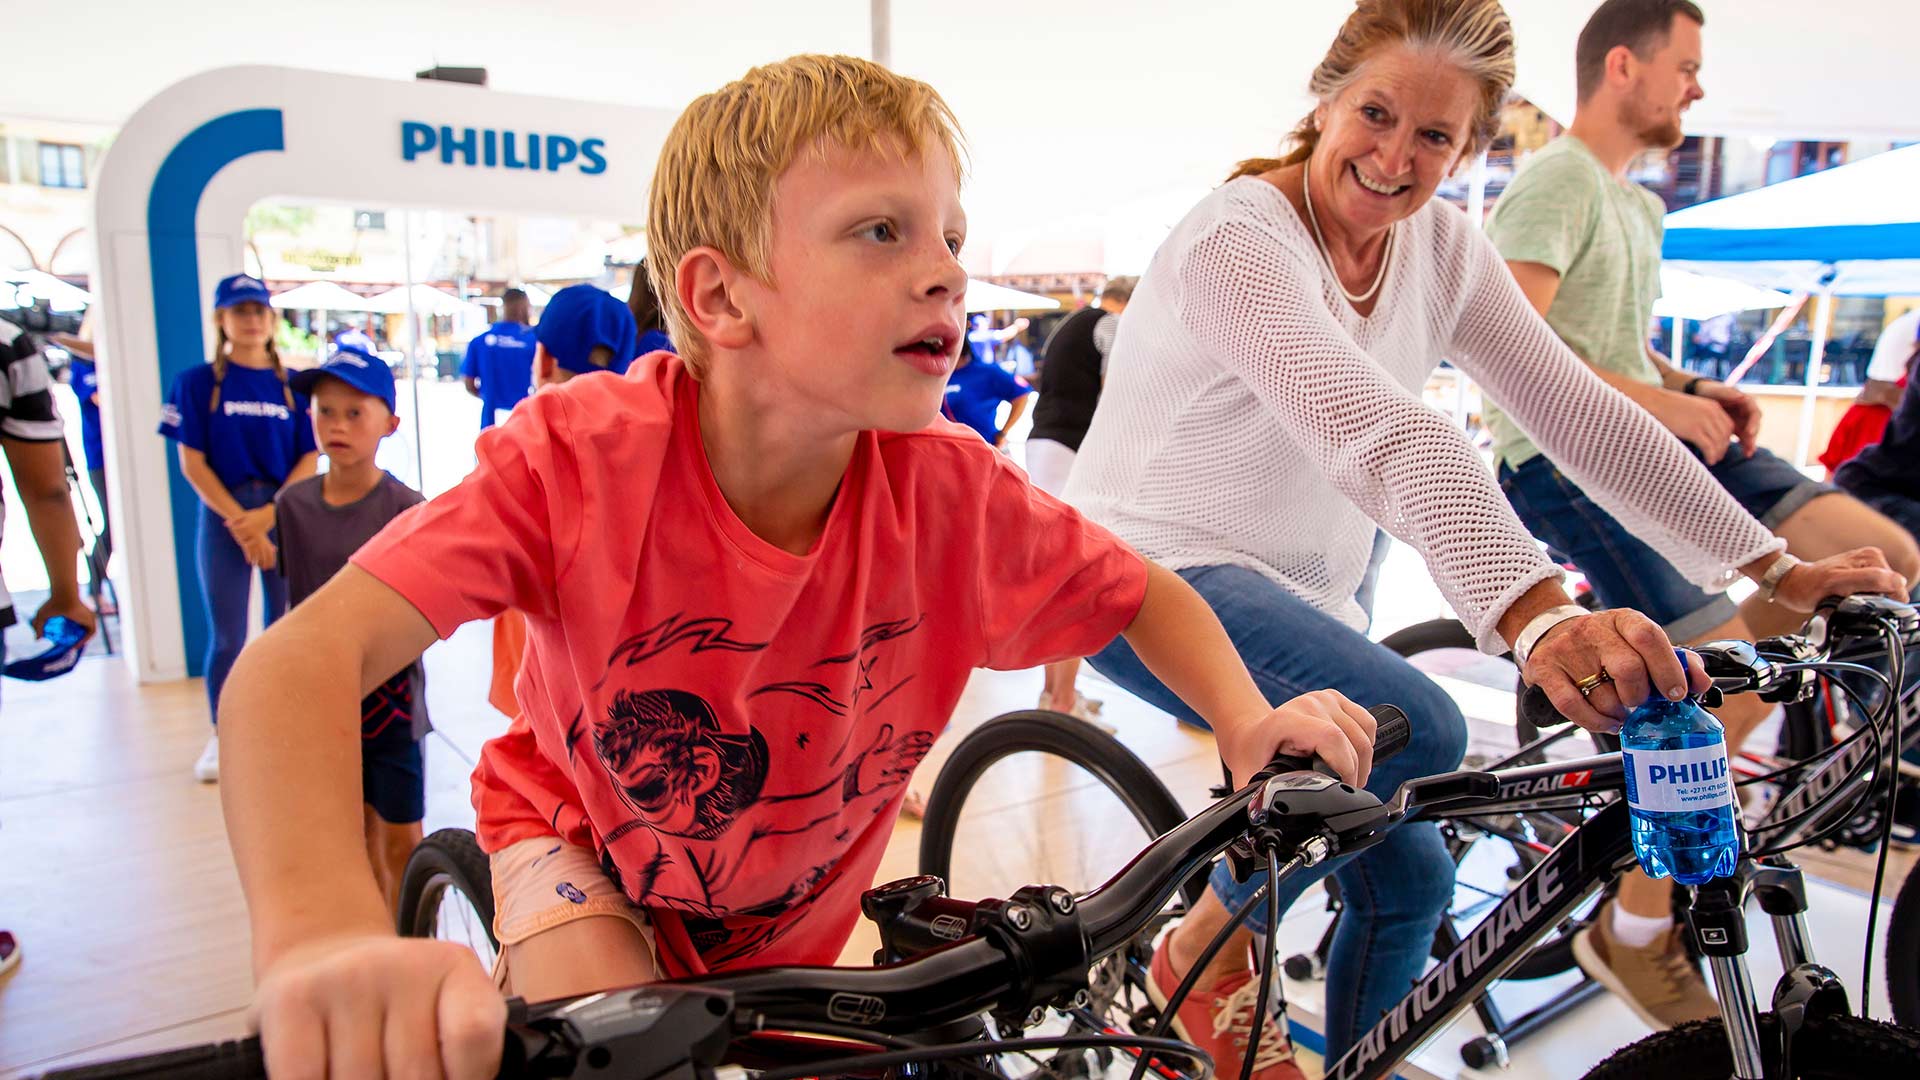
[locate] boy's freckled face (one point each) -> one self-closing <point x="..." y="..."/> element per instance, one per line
<point x="865" y="315"/>
<point x="347" y="424"/>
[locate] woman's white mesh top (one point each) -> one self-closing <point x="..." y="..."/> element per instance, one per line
<point x="1251" y="417"/>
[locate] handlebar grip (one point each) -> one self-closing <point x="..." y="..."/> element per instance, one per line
<point x="237" y="1059"/>
<point x="1392" y="731"/>
<point x="1537" y="709"/>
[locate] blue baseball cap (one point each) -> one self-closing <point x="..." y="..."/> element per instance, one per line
<point x="581" y="318"/>
<point x="354" y="366"/>
<point x="241" y="289"/>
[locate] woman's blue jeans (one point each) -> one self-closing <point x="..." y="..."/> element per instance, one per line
<point x="225" y="580"/>
<point x="1396" y="891"/>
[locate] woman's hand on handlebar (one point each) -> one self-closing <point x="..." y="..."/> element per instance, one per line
<point x="378" y="1005"/>
<point x="1321" y="724"/>
<point x="1862" y="570"/>
<point x="1634" y="654"/>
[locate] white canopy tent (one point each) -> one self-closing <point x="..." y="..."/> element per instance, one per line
<point x="28" y="286"/>
<point x="1061" y="118"/>
<point x="1849" y="231"/>
<point x="1853" y="230"/>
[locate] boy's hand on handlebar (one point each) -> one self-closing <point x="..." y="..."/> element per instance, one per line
<point x="1322" y="723"/>
<point x="1862" y="570"/>
<point x="1631" y="653"/>
<point x="378" y="1005"/>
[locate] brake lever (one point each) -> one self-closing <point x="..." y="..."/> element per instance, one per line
<point x="1862" y="614"/>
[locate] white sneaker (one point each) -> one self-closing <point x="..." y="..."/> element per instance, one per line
<point x="207" y="769"/>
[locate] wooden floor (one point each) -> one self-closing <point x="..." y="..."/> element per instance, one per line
<point x="115" y="872"/>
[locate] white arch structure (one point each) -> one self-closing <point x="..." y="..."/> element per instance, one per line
<point x="169" y="209"/>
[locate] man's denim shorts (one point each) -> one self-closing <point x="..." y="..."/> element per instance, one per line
<point x="1625" y="572"/>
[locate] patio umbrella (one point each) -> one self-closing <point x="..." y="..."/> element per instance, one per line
<point x="322" y="296"/>
<point x="986" y="296"/>
<point x="1685" y="295"/>
<point x="426" y="299"/>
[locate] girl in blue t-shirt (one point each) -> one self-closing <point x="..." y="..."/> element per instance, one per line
<point x="243" y="434"/>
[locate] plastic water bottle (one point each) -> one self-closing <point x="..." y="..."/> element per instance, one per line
<point x="1680" y="791"/>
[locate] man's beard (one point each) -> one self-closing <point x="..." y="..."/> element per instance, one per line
<point x="1655" y="132"/>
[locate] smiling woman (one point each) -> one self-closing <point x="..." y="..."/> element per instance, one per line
<point x="1261" y="418"/>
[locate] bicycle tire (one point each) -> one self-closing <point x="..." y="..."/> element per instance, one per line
<point x="447" y="859"/>
<point x="1827" y="1048"/>
<point x="1903" y="953"/>
<point x="1037" y="730"/>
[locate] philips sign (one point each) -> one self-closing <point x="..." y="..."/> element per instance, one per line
<point x="490" y="149"/>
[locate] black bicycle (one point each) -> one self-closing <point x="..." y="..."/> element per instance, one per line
<point x="960" y="982"/>
<point x="1827" y="716"/>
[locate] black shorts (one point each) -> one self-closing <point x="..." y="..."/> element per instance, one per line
<point x="393" y="776"/>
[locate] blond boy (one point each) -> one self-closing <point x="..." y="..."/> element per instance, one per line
<point x="751" y="581"/>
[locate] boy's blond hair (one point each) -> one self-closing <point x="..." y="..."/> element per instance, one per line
<point x="714" y="184"/>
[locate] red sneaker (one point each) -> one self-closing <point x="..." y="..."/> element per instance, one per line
<point x="1219" y="1020"/>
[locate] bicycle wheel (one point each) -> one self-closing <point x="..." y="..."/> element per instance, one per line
<point x="1903" y="953"/>
<point x="447" y="893"/>
<point x="1000" y="798"/>
<point x="1827" y="1048"/>
<point x="994" y="823"/>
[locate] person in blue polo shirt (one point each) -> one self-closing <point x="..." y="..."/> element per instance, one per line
<point x="974" y="393"/>
<point x="498" y="368"/>
<point x="243" y="434"/>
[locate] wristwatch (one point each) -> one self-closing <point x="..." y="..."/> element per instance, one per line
<point x="1538" y="626"/>
<point x="1693" y="385"/>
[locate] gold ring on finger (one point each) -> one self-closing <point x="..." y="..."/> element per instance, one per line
<point x="1592" y="682"/>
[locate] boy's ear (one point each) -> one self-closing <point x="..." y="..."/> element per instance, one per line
<point x="543" y="365"/>
<point x="710" y="293"/>
<point x="393" y="423"/>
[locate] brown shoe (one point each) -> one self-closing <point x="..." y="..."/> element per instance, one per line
<point x="1659" y="982"/>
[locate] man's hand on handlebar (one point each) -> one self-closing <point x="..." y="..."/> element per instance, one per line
<point x="1862" y="570"/>
<point x="1632" y="655"/>
<point x="378" y="1005"/>
<point x="1322" y="723"/>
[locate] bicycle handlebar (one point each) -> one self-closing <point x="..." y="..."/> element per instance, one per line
<point x="1031" y="949"/>
<point x="1769" y="667"/>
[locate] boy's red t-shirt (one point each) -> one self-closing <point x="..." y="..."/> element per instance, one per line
<point x="729" y="725"/>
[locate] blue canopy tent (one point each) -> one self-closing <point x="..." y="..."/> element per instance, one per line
<point x="1850" y="231"/>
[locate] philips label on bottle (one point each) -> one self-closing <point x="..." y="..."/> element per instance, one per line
<point x="1677" y="781"/>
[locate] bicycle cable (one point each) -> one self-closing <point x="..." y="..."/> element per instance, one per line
<point x="1267" y="973"/>
<point x="1185" y="990"/>
<point x="994" y="1047"/>
<point x="1868" y="730"/>
<point x="1896" y="667"/>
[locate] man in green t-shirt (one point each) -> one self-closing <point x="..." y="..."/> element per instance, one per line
<point x="1583" y="242"/>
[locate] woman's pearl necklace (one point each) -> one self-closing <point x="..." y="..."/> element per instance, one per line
<point x="1380" y="275"/>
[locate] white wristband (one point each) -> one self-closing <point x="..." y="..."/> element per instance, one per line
<point x="1770" y="581"/>
<point x="1538" y="626"/>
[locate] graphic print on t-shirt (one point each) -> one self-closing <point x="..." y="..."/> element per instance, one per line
<point x="699" y="787"/>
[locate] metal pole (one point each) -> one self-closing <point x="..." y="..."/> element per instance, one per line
<point x="413" y="376"/>
<point x="1738" y="1007"/>
<point x="1822" y="323"/>
<point x="1679" y="327"/>
<point x="882" y="32"/>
